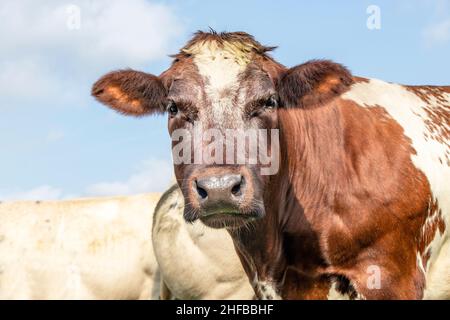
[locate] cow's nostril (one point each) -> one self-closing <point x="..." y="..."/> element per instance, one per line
<point x="236" y="190"/>
<point x="201" y="192"/>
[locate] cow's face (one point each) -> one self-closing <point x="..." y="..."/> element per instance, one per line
<point x="222" y="95"/>
<point x="220" y="100"/>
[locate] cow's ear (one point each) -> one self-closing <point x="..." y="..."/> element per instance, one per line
<point x="313" y="83"/>
<point x="131" y="92"/>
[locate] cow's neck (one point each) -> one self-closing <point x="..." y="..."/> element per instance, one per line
<point x="315" y="163"/>
<point x="293" y="200"/>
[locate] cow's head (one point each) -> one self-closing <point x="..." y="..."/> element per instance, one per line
<point x="217" y="86"/>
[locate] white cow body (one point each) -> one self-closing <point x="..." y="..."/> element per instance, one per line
<point x="196" y="262"/>
<point x="78" y="249"/>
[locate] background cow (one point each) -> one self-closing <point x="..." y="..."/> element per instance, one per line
<point x="78" y="249"/>
<point x="196" y="262"/>
<point x="360" y="205"/>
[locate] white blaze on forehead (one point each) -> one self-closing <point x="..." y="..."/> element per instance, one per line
<point x="220" y="65"/>
<point x="431" y="156"/>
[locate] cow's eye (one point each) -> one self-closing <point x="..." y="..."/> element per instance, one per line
<point x="172" y="108"/>
<point x="271" y="103"/>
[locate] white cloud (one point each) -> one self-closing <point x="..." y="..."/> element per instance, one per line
<point x="43" y="192"/>
<point x="152" y="176"/>
<point x="23" y="78"/>
<point x="438" y="33"/>
<point x="54" y="136"/>
<point x="42" y="55"/>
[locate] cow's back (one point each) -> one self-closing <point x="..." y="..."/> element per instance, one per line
<point x="423" y="112"/>
<point x="78" y="249"/>
<point x="196" y="262"/>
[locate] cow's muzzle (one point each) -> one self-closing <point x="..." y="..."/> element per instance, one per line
<point x="221" y="199"/>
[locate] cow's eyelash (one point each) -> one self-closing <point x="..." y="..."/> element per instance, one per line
<point x="187" y="110"/>
<point x="183" y="105"/>
<point x="256" y="106"/>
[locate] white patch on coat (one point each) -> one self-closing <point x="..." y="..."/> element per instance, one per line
<point x="419" y="262"/>
<point x="221" y="68"/>
<point x="73" y="282"/>
<point x="334" y="294"/>
<point x="107" y="211"/>
<point x="438" y="276"/>
<point x="408" y="110"/>
<point x="265" y="290"/>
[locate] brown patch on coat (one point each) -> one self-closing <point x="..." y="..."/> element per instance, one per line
<point x="434" y="223"/>
<point x="438" y="127"/>
<point x="445" y="88"/>
<point x="425" y="93"/>
<point x="437" y="110"/>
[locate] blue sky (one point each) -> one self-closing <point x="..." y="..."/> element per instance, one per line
<point x="59" y="143"/>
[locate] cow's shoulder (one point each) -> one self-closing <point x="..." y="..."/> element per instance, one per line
<point x="423" y="113"/>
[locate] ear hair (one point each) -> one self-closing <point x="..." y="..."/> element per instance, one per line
<point x="313" y="83"/>
<point x="131" y="92"/>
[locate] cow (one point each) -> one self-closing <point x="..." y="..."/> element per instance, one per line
<point x="196" y="262"/>
<point x="359" y="206"/>
<point x="98" y="248"/>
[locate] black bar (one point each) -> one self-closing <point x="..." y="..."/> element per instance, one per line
<point x="222" y="309"/>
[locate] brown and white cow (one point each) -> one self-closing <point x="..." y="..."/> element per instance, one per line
<point x="360" y="205"/>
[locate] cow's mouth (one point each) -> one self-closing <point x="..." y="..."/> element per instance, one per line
<point x="224" y="217"/>
<point x="228" y="219"/>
